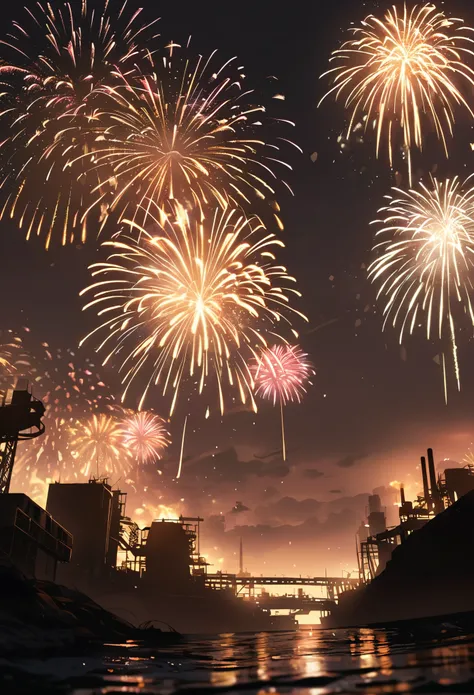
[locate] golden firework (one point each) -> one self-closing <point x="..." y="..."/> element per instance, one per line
<point x="54" y="62"/>
<point x="424" y="263"/>
<point x="187" y="130"/>
<point x="99" y="446"/>
<point x="191" y="297"/>
<point x="404" y="71"/>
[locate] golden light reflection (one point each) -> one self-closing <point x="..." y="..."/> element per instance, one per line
<point x="227" y="678"/>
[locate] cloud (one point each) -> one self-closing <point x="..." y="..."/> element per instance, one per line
<point x="287" y="510"/>
<point x="307" y="548"/>
<point x="350" y="460"/>
<point x="312" y="530"/>
<point x="225" y="466"/>
<point x="312" y="473"/>
<point x="238" y="508"/>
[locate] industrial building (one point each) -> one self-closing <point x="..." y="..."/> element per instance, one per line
<point x="29" y="537"/>
<point x="376" y="545"/>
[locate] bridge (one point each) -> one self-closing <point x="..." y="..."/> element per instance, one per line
<point x="235" y="582"/>
<point x="298" y="604"/>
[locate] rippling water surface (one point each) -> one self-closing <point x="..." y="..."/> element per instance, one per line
<point x="431" y="660"/>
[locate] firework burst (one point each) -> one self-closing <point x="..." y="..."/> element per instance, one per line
<point x="58" y="59"/>
<point x="281" y="374"/>
<point x="190" y="131"/>
<point x="191" y="298"/>
<point x="14" y="361"/>
<point x="99" y="446"/>
<point x="71" y="388"/>
<point x="404" y="71"/>
<point x="424" y="263"/>
<point x="146" y="436"/>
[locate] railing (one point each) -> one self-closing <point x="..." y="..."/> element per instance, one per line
<point x="61" y="549"/>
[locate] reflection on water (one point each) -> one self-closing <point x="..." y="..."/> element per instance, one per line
<point x="314" y="662"/>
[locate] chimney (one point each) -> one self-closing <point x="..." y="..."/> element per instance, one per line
<point x="241" y="556"/>
<point x="426" y="490"/>
<point x="434" y="484"/>
<point x="402" y="495"/>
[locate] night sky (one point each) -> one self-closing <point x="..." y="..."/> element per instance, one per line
<point x="373" y="407"/>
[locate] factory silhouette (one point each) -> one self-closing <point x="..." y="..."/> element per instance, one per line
<point x="84" y="539"/>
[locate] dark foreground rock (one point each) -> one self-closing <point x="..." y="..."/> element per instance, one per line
<point x="431" y="574"/>
<point x="43" y="616"/>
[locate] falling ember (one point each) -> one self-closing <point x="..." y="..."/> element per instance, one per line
<point x="424" y="263"/>
<point x="405" y="72"/>
<point x="281" y="374"/>
<point x="181" y="453"/>
<point x="146" y="436"/>
<point x="186" y="130"/>
<point x="191" y="299"/>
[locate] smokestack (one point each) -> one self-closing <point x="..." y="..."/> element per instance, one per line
<point x="426" y="490"/>
<point x="402" y="495"/>
<point x="241" y="556"/>
<point x="431" y="468"/>
<point x="435" y="496"/>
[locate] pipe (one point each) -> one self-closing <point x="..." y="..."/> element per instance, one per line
<point x="426" y="490"/>
<point x="431" y="468"/>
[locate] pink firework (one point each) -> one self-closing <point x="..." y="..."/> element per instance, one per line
<point x="146" y="436"/>
<point x="281" y="374"/>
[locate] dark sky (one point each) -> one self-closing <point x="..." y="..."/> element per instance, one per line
<point x="370" y="412"/>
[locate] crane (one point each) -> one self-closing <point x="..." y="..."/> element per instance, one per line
<point x="20" y="419"/>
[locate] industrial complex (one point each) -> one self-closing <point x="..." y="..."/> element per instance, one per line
<point x="84" y="539"/>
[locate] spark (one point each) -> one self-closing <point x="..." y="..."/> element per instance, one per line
<point x="55" y="61"/>
<point x="402" y="72"/>
<point x="281" y="375"/>
<point x="424" y="263"/>
<point x="146" y="436"/>
<point x="191" y="298"/>
<point x="188" y="130"/>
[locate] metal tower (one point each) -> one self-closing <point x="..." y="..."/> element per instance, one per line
<point x="20" y="419"/>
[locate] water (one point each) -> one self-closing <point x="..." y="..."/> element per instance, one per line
<point x="431" y="660"/>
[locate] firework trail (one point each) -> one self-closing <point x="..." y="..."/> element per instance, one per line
<point x="99" y="446"/>
<point x="191" y="298"/>
<point x="424" y="262"/>
<point x="281" y="374"/>
<point x="57" y="59"/>
<point x="188" y="130"/>
<point x="146" y="436"/>
<point x="404" y="72"/>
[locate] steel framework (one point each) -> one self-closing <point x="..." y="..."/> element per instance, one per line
<point x="20" y="419"/>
